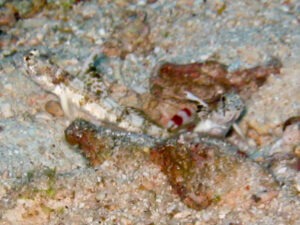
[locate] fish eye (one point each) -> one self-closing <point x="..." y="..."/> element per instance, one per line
<point x="223" y="98"/>
<point x="34" y="52"/>
<point x="199" y="108"/>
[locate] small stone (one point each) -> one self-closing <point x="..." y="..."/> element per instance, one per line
<point x="297" y="151"/>
<point x="182" y="214"/>
<point x="54" y="108"/>
<point x="6" y="110"/>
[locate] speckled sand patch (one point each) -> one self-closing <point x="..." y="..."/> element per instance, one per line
<point x="273" y="104"/>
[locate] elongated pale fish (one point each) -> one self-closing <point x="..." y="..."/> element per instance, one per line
<point x="85" y="94"/>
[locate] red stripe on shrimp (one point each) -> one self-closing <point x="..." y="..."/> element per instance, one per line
<point x="182" y="117"/>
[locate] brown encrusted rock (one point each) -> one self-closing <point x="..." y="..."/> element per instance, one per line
<point x="205" y="171"/>
<point x="99" y="143"/>
<point x="208" y="80"/>
<point x="95" y="149"/>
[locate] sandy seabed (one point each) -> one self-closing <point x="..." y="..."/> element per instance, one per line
<point x="45" y="181"/>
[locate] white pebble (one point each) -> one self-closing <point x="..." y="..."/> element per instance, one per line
<point x="282" y="170"/>
<point x="101" y="31"/>
<point x="157" y="50"/>
<point x="182" y="215"/>
<point x="6" y="110"/>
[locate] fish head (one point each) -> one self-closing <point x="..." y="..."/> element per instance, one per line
<point x="230" y="108"/>
<point x="42" y="71"/>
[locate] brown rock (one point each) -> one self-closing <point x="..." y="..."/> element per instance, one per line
<point x="54" y="108"/>
<point x="99" y="143"/>
<point x="208" y="80"/>
<point x="203" y="172"/>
